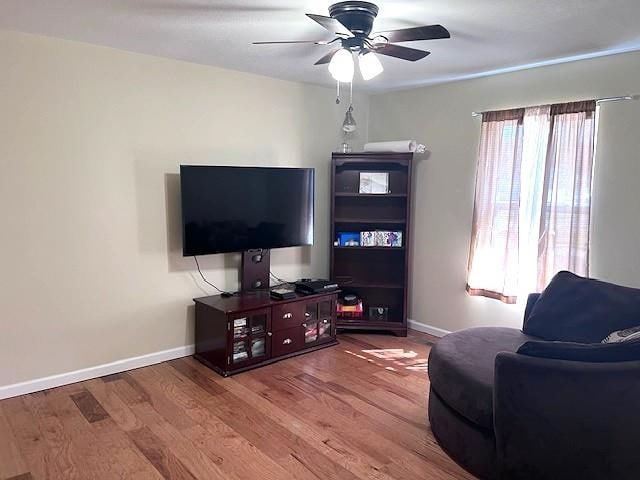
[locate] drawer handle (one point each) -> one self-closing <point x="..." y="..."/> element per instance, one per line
<point x="287" y="315"/>
<point x="269" y="334"/>
<point x="287" y="341"/>
<point x="307" y="314"/>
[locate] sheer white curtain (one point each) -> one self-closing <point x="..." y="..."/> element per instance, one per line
<point x="536" y="135"/>
<point x="532" y="202"/>
<point x="566" y="208"/>
<point x="493" y="259"/>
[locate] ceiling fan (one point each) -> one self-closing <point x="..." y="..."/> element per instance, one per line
<point x="351" y="22"/>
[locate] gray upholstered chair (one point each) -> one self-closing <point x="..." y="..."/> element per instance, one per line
<point x="511" y="404"/>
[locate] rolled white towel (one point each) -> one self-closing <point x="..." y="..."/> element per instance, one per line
<point x="399" y="146"/>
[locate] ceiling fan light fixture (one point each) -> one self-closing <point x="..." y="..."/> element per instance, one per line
<point x="370" y="65"/>
<point x="341" y="66"/>
<point x="351" y="24"/>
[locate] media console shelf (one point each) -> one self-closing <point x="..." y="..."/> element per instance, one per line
<point x="250" y="330"/>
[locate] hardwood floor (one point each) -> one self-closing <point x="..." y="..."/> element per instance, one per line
<point x="353" y="411"/>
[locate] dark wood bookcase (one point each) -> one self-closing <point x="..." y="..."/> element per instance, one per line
<point x="378" y="275"/>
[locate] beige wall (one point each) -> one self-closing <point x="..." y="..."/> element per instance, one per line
<point x="440" y="117"/>
<point x="90" y="143"/>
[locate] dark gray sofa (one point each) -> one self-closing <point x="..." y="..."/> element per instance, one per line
<point x="537" y="404"/>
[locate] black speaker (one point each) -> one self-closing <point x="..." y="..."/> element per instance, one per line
<point x="378" y="314"/>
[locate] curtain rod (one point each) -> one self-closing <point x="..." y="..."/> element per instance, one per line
<point x="598" y="101"/>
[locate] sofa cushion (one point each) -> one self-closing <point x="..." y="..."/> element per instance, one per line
<point x="583" y="310"/>
<point x="461" y="368"/>
<point x="583" y="352"/>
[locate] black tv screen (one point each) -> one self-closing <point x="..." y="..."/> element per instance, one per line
<point x="232" y="209"/>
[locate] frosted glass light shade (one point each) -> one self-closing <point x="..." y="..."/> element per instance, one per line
<point x="370" y="65"/>
<point x="341" y="66"/>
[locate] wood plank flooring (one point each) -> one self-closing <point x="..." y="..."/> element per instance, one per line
<point x="354" y="411"/>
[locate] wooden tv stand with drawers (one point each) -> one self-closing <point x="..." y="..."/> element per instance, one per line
<point x="250" y="330"/>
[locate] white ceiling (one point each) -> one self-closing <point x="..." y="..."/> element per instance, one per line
<point x="486" y="35"/>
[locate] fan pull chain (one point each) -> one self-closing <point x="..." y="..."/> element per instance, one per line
<point x="337" y="92"/>
<point x="351" y="93"/>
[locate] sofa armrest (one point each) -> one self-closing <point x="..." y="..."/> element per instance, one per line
<point x="564" y="419"/>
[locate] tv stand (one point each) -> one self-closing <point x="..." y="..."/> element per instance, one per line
<point x="256" y="268"/>
<point x="251" y="329"/>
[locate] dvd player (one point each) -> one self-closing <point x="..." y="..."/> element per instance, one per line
<point x="282" y="293"/>
<point x="309" y="287"/>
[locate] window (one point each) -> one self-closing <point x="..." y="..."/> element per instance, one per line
<point x="533" y="198"/>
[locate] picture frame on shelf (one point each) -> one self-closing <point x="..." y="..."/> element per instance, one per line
<point x="382" y="238"/>
<point x="376" y="183"/>
<point x="348" y="239"/>
<point x="367" y="239"/>
<point x="395" y="238"/>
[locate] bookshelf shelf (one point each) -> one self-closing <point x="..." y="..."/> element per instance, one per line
<point x="380" y="221"/>
<point x="371" y="195"/>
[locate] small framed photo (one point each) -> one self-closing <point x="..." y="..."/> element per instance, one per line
<point x="395" y="238"/>
<point x="349" y="239"/>
<point x="374" y="182"/>
<point x="368" y="239"/>
<point x="382" y="238"/>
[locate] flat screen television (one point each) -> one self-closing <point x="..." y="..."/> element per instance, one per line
<point x="232" y="209"/>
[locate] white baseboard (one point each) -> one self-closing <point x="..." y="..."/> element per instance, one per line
<point x="424" y="328"/>
<point x="44" y="383"/>
<point x="118" y="366"/>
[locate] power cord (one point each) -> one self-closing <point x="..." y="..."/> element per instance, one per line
<point x="282" y="282"/>
<point x="223" y="292"/>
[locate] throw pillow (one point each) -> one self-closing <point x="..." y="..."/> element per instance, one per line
<point x="583" y="352"/>
<point x="627" y="335"/>
<point x="583" y="310"/>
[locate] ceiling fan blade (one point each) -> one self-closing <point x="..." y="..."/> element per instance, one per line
<point x="316" y="42"/>
<point x="405" y="53"/>
<point x="327" y="57"/>
<point x="331" y="24"/>
<point x="428" y="32"/>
